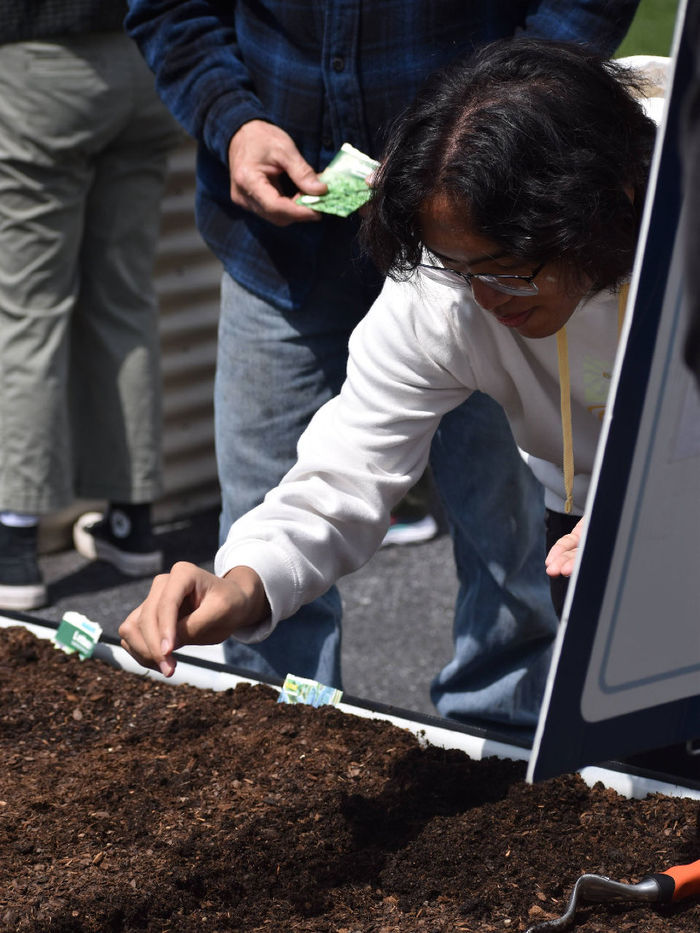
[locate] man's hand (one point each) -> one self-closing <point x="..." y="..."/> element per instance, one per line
<point x="259" y="154"/>
<point x="190" y="606"/>
<point x="562" y="556"/>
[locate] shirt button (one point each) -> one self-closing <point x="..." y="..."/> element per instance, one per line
<point x="338" y="63"/>
<point x="327" y="142"/>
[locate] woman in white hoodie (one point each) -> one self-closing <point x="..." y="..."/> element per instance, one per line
<point x="506" y="215"/>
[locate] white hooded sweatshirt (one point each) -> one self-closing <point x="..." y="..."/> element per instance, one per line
<point x="422" y="349"/>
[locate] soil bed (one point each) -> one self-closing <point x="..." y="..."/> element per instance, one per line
<point x="131" y="805"/>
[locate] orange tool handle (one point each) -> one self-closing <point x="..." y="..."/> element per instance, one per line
<point x="686" y="880"/>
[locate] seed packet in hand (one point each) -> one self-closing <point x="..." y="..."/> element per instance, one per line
<point x="346" y="177"/>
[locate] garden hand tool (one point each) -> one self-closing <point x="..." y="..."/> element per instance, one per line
<point x="666" y="887"/>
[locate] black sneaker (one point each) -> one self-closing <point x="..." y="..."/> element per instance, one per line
<point x="123" y="540"/>
<point x="21" y="586"/>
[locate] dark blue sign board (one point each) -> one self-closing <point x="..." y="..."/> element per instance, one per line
<point x="626" y="670"/>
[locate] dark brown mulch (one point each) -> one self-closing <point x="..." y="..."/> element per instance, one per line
<point x="131" y="805"/>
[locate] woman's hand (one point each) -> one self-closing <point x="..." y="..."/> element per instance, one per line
<point x="190" y="606"/>
<point x="562" y="556"/>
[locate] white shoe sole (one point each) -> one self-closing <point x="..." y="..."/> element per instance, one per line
<point x="411" y="532"/>
<point x="19" y="598"/>
<point x="131" y="565"/>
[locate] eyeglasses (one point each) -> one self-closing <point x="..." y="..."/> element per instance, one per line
<point x="505" y="283"/>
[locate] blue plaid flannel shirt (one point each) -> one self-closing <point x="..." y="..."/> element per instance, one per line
<point x="24" y="20"/>
<point x="328" y="72"/>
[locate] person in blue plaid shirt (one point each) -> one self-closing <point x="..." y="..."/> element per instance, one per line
<point x="271" y="89"/>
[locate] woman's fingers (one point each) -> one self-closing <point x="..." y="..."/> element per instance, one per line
<point x="151" y="632"/>
<point x="190" y="606"/>
<point x="562" y="556"/>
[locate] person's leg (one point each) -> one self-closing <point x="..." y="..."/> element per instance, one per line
<point x="115" y="365"/>
<point x="504" y="620"/>
<point x="41" y="210"/>
<point x="274" y="371"/>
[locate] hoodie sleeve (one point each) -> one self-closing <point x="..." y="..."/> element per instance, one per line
<point x="360" y="454"/>
<point x="191" y="47"/>
<point x="599" y="24"/>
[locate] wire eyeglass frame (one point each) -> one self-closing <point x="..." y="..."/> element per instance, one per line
<point x="505" y="283"/>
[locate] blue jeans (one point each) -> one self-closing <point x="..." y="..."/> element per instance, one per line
<point x="504" y="623"/>
<point x="274" y="370"/>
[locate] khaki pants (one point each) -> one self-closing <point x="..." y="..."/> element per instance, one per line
<point x="83" y="146"/>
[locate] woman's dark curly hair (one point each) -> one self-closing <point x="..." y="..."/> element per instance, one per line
<point x="539" y="142"/>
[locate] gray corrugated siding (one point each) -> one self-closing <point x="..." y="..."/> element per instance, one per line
<point x="187" y="280"/>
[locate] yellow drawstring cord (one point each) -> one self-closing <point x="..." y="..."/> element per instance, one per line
<point x="565" y="408"/>
<point x="622" y="306"/>
<point x="565" y="399"/>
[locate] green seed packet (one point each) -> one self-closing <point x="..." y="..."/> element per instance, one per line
<point x="77" y="633"/>
<point x="310" y="692"/>
<point x="345" y="176"/>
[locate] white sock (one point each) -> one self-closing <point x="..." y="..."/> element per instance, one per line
<point x="18" y="519"/>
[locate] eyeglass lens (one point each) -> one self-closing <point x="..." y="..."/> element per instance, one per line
<point x="498" y="283"/>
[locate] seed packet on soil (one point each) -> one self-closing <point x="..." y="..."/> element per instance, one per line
<point x="346" y="177"/>
<point x="77" y="633"/>
<point x="310" y="692"/>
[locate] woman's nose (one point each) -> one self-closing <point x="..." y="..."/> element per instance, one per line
<point x="486" y="296"/>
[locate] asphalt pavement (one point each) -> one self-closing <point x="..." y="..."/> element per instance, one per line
<point x="397" y="619"/>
